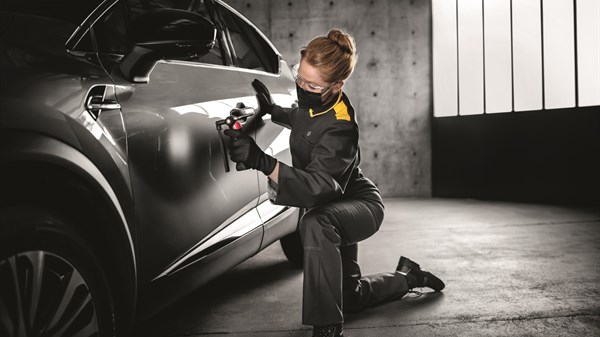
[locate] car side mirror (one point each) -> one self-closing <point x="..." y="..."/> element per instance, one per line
<point x="163" y="34"/>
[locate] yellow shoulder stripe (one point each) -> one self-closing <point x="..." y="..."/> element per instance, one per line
<point x="341" y="111"/>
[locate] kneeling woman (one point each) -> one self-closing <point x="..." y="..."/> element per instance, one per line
<point x="342" y="206"/>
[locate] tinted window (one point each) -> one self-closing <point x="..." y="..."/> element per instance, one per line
<point x="110" y="31"/>
<point x="250" y="49"/>
<point x="141" y="7"/>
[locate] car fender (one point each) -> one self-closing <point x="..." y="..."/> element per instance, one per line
<point x="23" y="148"/>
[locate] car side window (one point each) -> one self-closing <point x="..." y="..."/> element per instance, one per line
<point x="250" y="49"/>
<point x="110" y="31"/>
<point x="141" y="7"/>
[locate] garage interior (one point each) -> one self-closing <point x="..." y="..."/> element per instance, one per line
<point x="485" y="143"/>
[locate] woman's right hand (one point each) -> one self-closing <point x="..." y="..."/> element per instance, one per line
<point x="265" y="101"/>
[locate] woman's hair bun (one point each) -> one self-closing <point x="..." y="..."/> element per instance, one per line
<point x="334" y="55"/>
<point x="343" y="40"/>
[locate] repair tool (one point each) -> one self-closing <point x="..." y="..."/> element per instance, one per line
<point x="239" y="113"/>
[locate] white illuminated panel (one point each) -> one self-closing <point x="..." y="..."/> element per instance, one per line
<point x="527" y="55"/>
<point x="559" y="54"/>
<point x="588" y="51"/>
<point x="470" y="57"/>
<point x="498" y="72"/>
<point x="445" y="88"/>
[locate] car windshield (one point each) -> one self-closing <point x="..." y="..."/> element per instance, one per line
<point x="72" y="11"/>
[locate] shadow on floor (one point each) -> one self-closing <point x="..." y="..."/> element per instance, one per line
<point x="242" y="280"/>
<point x="411" y="303"/>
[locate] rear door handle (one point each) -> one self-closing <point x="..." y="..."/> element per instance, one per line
<point x="97" y="103"/>
<point x="99" y="98"/>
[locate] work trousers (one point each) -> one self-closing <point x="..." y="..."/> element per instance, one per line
<point x="333" y="283"/>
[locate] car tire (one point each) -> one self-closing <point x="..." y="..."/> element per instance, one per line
<point x="51" y="283"/>
<point x="292" y="248"/>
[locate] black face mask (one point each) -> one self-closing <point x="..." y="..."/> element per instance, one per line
<point x="309" y="100"/>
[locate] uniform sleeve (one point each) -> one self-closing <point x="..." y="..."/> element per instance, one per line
<point x="283" y="116"/>
<point x="327" y="175"/>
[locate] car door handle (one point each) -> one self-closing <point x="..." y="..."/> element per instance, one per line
<point x="96" y="102"/>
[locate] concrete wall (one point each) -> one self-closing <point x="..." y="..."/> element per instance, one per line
<point x="391" y="86"/>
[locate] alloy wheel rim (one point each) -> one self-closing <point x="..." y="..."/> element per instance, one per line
<point x="43" y="294"/>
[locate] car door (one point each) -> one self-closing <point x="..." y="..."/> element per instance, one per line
<point x="257" y="58"/>
<point x="187" y="206"/>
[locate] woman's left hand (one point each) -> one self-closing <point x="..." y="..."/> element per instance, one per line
<point x="265" y="101"/>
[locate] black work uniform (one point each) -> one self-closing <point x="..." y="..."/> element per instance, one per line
<point x="342" y="206"/>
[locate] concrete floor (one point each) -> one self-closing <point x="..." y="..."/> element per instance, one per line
<point x="510" y="270"/>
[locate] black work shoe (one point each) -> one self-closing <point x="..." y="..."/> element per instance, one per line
<point x="336" y="330"/>
<point x="407" y="267"/>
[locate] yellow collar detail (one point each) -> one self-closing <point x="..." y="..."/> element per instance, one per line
<point x="313" y="114"/>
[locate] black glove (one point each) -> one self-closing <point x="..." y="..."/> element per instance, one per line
<point x="243" y="149"/>
<point x="265" y="101"/>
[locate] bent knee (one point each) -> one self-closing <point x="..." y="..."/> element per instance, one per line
<point x="316" y="226"/>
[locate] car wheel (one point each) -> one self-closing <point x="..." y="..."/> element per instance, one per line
<point x="51" y="284"/>
<point x="292" y="248"/>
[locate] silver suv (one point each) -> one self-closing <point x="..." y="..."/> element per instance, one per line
<point x="115" y="200"/>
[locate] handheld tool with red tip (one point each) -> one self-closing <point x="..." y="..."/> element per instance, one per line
<point x="240" y="113"/>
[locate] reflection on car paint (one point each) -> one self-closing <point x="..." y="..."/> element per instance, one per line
<point x="211" y="109"/>
<point x="220" y="108"/>
<point x="227" y="232"/>
<point x="179" y="143"/>
<point x="268" y="210"/>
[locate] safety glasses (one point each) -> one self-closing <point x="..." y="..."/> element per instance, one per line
<point x="302" y="82"/>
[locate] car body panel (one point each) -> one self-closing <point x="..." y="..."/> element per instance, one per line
<point x="155" y="154"/>
<point x="177" y="172"/>
<point x="44" y="90"/>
